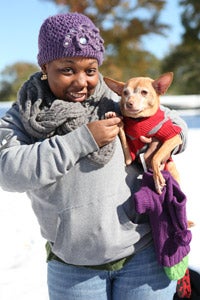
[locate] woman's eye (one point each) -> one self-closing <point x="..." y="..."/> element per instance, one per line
<point x="91" y="72"/>
<point x="67" y="71"/>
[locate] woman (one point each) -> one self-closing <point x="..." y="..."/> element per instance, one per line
<point x="57" y="147"/>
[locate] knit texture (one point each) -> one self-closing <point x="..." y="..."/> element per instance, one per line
<point x="69" y="35"/>
<point x="159" y="125"/>
<point x="177" y="271"/>
<point x="44" y="116"/>
<point x="184" y="288"/>
<point x="167" y="215"/>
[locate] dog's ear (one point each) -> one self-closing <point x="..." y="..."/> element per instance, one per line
<point x="115" y="86"/>
<point x="162" y="83"/>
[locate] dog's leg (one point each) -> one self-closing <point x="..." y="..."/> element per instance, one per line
<point x="159" y="157"/>
<point x="125" y="147"/>
<point x="171" y="167"/>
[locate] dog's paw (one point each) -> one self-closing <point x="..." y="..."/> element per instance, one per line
<point x="110" y="114"/>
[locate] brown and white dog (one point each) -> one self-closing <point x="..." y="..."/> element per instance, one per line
<point x="140" y="108"/>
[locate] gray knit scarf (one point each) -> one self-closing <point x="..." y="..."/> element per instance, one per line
<point x="44" y="116"/>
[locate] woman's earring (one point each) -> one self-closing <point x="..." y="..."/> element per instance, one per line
<point x="44" y="77"/>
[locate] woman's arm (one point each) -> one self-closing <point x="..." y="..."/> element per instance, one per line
<point x="176" y="119"/>
<point x="25" y="164"/>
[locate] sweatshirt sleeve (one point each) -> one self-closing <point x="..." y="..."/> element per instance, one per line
<point x="25" y="164"/>
<point x="176" y="119"/>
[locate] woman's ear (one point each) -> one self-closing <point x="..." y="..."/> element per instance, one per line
<point x="44" y="69"/>
<point x="44" y="72"/>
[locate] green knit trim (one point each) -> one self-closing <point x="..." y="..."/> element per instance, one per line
<point x="177" y="271"/>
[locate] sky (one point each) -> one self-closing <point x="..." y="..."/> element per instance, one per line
<point x="20" y="22"/>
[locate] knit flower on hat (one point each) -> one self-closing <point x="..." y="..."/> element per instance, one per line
<point x="82" y="36"/>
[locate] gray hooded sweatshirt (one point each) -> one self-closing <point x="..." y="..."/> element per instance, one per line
<point x="85" y="210"/>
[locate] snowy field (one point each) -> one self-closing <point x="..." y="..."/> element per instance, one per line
<point x="22" y="252"/>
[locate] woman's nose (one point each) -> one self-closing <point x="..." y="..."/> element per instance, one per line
<point x="81" y="80"/>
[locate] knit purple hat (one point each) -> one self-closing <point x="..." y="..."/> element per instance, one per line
<point x="69" y="35"/>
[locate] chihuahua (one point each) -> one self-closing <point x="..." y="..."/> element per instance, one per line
<point x="143" y="116"/>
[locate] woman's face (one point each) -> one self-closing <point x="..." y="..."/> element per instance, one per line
<point x="73" y="78"/>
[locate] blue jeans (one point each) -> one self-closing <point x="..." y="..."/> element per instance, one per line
<point x="140" y="279"/>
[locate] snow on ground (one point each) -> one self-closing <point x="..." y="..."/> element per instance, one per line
<point x="22" y="251"/>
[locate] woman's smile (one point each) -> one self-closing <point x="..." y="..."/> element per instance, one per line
<point x="76" y="97"/>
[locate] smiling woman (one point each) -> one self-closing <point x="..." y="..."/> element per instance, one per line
<point x="54" y="148"/>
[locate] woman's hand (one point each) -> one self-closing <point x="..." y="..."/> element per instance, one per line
<point x="105" y="131"/>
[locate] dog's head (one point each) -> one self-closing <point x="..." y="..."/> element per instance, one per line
<point x="140" y="95"/>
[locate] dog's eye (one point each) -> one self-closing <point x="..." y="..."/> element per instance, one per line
<point x="144" y="92"/>
<point x="125" y="93"/>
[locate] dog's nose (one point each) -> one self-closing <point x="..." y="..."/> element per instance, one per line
<point x="129" y="104"/>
